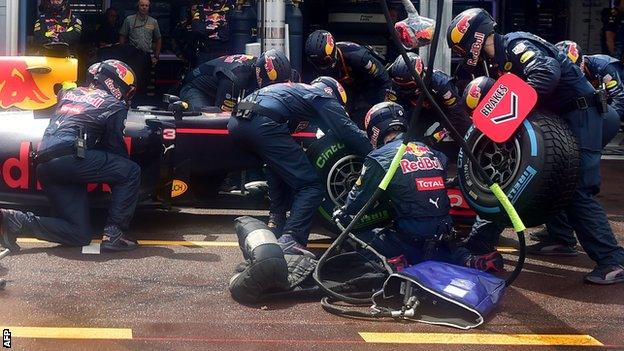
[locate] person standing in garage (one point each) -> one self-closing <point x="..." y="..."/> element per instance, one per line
<point x="612" y="33"/>
<point x="57" y="24"/>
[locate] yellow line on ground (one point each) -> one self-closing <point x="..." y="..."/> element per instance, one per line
<point x="502" y="249"/>
<point x="69" y="333"/>
<point x="481" y="339"/>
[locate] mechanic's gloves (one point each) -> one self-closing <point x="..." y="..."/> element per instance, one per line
<point x="341" y="218"/>
<point x="267" y="269"/>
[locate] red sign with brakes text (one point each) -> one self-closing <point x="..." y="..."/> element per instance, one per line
<point x="428" y="184"/>
<point x="504" y="108"/>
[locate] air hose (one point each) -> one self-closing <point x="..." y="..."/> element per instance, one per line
<point x="411" y="135"/>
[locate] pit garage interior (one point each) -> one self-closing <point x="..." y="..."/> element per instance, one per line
<point x="358" y="21"/>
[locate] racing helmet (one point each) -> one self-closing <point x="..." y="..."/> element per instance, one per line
<point x="383" y="118"/>
<point x="467" y="33"/>
<point x="476" y="90"/>
<point x="401" y="74"/>
<point x="272" y="67"/>
<point x="572" y="50"/>
<point x="117" y="78"/>
<point x="91" y="72"/>
<point x="321" y="50"/>
<point x="332" y="87"/>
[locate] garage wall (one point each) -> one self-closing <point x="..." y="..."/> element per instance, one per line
<point x="585" y="23"/>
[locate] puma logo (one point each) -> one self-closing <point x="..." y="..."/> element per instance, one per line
<point x="167" y="148"/>
<point x="435" y="202"/>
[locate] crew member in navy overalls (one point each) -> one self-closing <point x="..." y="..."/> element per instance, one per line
<point x="405" y="92"/>
<point x="422" y="224"/>
<point x="263" y="123"/>
<point x="603" y="72"/>
<point x="84" y="143"/>
<point x="563" y="89"/>
<point x="354" y="66"/>
<point x="220" y="82"/>
<point x="57" y="23"/>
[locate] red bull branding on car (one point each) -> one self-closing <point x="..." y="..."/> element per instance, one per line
<point x="18" y="85"/>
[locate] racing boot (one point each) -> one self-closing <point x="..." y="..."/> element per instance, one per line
<point x="541" y="235"/>
<point x="9" y="227"/>
<point x="242" y="266"/>
<point x="491" y="262"/>
<point x="552" y="248"/>
<point x="276" y="223"/>
<point x="605" y="275"/>
<point x="291" y="247"/>
<point x="113" y="239"/>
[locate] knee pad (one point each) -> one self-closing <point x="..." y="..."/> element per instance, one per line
<point x="267" y="271"/>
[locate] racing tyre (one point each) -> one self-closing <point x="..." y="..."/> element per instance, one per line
<point x="339" y="168"/>
<point x="537" y="168"/>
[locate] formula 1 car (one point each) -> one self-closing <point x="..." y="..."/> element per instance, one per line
<point x="184" y="156"/>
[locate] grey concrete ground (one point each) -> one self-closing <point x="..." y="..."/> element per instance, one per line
<point x="170" y="296"/>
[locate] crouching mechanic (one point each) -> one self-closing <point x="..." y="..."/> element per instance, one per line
<point x="422" y="223"/>
<point x="84" y="143"/>
<point x="354" y="66"/>
<point x="561" y="88"/>
<point x="263" y="122"/>
<point x="604" y="72"/>
<point x="220" y="82"/>
<point x="443" y="89"/>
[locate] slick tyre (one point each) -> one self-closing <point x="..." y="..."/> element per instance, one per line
<point x="338" y="169"/>
<point x="537" y="168"/>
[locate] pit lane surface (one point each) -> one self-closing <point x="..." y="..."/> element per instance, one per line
<point x="172" y="295"/>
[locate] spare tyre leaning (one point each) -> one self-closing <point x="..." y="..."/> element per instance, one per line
<point x="339" y="168"/>
<point x="538" y="169"/>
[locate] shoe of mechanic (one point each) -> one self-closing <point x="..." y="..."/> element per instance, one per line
<point x="291" y="247"/>
<point x="9" y="228"/>
<point x="491" y="262"/>
<point x="541" y="235"/>
<point x="276" y="223"/>
<point x="606" y="275"/>
<point x="550" y="248"/>
<point x="114" y="240"/>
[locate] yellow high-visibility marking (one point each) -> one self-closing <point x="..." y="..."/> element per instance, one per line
<point x="502" y="249"/>
<point x="69" y="333"/>
<point x="481" y="339"/>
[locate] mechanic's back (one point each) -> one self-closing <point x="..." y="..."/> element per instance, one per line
<point x="299" y="102"/>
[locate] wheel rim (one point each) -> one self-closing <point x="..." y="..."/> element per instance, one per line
<point x="500" y="161"/>
<point x="341" y="178"/>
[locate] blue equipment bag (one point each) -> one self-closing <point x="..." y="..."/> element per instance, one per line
<point x="440" y="293"/>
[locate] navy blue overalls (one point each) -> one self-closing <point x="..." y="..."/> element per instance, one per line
<point x="562" y="88"/>
<point x="220" y="82"/>
<point x="262" y="123"/>
<point x="64" y="176"/>
<point x="419" y="198"/>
